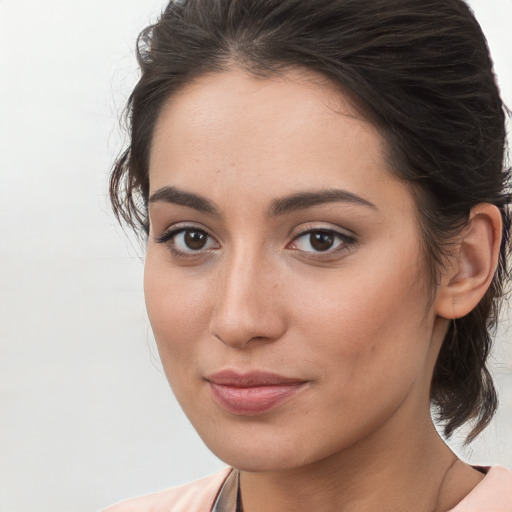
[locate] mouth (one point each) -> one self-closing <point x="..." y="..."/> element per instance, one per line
<point x="249" y="394"/>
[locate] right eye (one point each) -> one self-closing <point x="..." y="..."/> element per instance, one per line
<point x="188" y="241"/>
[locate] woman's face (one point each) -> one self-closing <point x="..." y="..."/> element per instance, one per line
<point x="285" y="280"/>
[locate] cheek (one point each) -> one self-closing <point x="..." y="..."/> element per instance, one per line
<point x="368" y="329"/>
<point x="176" y="308"/>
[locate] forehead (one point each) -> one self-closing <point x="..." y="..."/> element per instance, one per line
<point x="232" y="130"/>
<point x="234" y="106"/>
<point x="239" y="89"/>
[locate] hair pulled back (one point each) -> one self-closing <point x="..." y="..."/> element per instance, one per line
<point x="420" y="71"/>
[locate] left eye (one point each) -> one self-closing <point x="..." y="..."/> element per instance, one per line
<point x="319" y="241"/>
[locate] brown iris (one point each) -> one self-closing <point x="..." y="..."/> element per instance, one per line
<point x="195" y="240"/>
<point x="321" y="240"/>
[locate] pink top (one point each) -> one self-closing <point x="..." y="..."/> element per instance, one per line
<point x="492" y="494"/>
<point x="196" y="496"/>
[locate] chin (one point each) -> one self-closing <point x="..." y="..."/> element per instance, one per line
<point x="260" y="460"/>
<point x="263" y="453"/>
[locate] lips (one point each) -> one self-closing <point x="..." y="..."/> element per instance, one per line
<point x="251" y="393"/>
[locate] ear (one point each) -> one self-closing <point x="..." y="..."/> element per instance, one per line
<point x="471" y="268"/>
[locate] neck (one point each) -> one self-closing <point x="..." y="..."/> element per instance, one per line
<point x="400" y="472"/>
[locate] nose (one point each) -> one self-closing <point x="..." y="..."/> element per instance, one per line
<point x="248" y="307"/>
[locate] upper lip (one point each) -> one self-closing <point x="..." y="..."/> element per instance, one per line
<point x="250" y="379"/>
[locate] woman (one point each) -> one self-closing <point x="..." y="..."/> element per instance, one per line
<point x="322" y="188"/>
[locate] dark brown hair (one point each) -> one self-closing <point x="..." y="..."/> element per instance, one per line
<point x="421" y="72"/>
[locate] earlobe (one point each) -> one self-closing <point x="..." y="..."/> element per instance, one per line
<point x="472" y="265"/>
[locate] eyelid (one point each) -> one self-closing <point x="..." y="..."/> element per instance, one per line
<point x="331" y="228"/>
<point x="167" y="236"/>
<point x="348" y="241"/>
<point x="172" y="230"/>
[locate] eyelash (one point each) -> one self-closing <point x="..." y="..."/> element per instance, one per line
<point x="346" y="242"/>
<point x="168" y="238"/>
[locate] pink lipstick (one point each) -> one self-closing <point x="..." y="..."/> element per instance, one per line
<point x="251" y="393"/>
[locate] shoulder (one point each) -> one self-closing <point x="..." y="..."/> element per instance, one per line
<point x="493" y="493"/>
<point x="195" y="496"/>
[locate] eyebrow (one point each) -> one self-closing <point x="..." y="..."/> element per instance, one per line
<point x="176" y="196"/>
<point x="302" y="200"/>
<point x="280" y="206"/>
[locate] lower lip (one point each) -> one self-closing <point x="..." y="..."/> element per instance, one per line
<point x="250" y="401"/>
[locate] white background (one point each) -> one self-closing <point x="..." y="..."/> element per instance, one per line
<point x="86" y="416"/>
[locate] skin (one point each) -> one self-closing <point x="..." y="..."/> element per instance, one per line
<point x="356" y="322"/>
